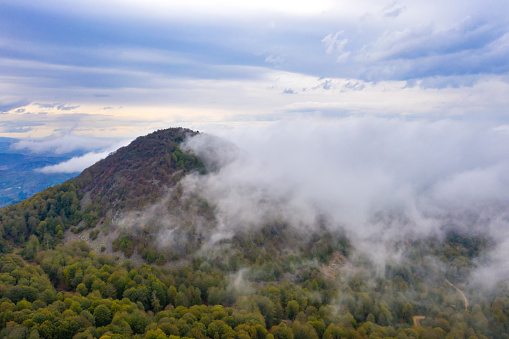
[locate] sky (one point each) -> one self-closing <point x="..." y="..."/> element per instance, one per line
<point x="125" y="68"/>
<point x="398" y="105"/>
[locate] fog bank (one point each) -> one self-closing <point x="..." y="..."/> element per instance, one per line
<point x="380" y="180"/>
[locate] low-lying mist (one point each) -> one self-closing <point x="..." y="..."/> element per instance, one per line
<point x="381" y="181"/>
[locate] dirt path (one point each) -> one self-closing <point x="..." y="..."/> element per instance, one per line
<point x="416" y="319"/>
<point x="460" y="292"/>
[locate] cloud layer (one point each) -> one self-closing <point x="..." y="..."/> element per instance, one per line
<point x="76" y="164"/>
<point x="170" y="61"/>
<point x="380" y="180"/>
<point x="62" y="144"/>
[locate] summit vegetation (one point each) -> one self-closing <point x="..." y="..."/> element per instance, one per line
<point x="164" y="273"/>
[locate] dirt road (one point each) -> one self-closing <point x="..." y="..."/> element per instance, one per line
<point x="416" y="319"/>
<point x="460" y="292"/>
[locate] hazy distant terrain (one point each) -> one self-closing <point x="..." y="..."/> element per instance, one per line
<point x="19" y="178"/>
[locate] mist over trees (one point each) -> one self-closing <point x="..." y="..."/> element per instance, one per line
<point x="353" y="230"/>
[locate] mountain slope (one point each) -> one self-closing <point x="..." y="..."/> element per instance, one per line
<point x="130" y="178"/>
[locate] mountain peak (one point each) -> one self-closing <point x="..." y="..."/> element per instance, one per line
<point x="139" y="172"/>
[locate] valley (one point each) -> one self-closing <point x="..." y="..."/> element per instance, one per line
<point x="19" y="175"/>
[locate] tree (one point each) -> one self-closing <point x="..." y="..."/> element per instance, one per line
<point x="172" y="294"/>
<point x="267" y="309"/>
<point x="138" y="322"/>
<point x="31" y="248"/>
<point x="281" y="332"/>
<point x="303" y="331"/>
<point x="82" y="289"/>
<point x="102" y="315"/>
<point x="292" y="309"/>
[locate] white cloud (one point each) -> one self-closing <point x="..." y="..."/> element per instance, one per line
<point x="276" y="60"/>
<point x="221" y="8"/>
<point x="494" y="268"/>
<point x="257" y="96"/>
<point x="393" y="10"/>
<point x="335" y="45"/>
<point x="391" y="48"/>
<point x="381" y="180"/>
<point x="64" y="143"/>
<point x="76" y="164"/>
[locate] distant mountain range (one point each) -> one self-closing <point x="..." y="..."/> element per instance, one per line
<point x="19" y="178"/>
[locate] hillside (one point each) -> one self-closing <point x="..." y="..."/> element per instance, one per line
<point x="160" y="259"/>
<point x="131" y="177"/>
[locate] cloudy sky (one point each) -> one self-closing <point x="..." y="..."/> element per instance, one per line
<point x="125" y="68"/>
<point x="385" y="98"/>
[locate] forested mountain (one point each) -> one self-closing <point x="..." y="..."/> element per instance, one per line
<point x="131" y="249"/>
